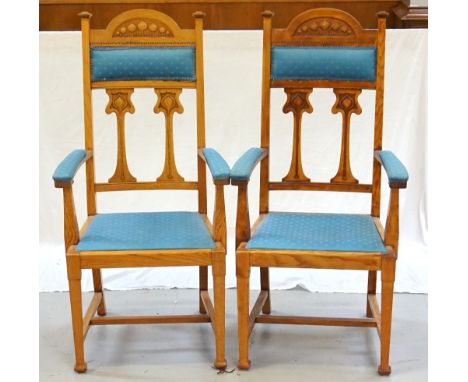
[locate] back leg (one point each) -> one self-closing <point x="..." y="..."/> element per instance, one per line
<point x="265" y="285"/>
<point x="203" y="282"/>
<point x="97" y="281"/>
<point x="371" y="289"/>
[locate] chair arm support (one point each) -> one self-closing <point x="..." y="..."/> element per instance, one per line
<point x="220" y="172"/>
<point x="219" y="168"/>
<point x="396" y="171"/>
<point x="65" y="172"/>
<point x="243" y="168"/>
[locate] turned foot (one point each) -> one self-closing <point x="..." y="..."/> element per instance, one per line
<point x="81" y="367"/>
<point x="382" y="371"/>
<point x="243" y="365"/>
<point x="221" y="365"/>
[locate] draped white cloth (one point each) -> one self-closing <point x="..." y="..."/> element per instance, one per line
<point x="232" y="89"/>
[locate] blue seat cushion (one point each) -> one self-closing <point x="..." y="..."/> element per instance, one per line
<point x="151" y="63"/>
<point x="323" y="63"/>
<point x="146" y="230"/>
<point x="317" y="232"/>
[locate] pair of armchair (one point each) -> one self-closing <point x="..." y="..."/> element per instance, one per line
<point x="321" y="48"/>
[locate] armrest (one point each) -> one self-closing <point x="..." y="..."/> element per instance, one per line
<point x="66" y="170"/>
<point x="245" y="165"/>
<point x="396" y="171"/>
<point x="219" y="169"/>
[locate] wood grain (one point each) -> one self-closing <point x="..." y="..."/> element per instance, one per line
<point x="297" y="103"/>
<point x="120" y="104"/>
<point x="225" y="14"/>
<point x="169" y="103"/>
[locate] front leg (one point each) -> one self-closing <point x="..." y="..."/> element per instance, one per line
<point x="219" y="274"/>
<point x="243" y="278"/>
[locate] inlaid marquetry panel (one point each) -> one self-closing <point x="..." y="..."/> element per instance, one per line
<point x="169" y="103"/>
<point x="120" y="103"/>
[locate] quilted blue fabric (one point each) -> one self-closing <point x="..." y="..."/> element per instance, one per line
<point x="323" y="63"/>
<point x="113" y="64"/>
<point x="219" y="168"/>
<point x="244" y="166"/>
<point x="317" y="232"/>
<point x="67" y="168"/>
<point x="146" y="230"/>
<point x="396" y="171"/>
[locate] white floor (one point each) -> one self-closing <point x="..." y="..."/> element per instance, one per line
<point x="278" y="352"/>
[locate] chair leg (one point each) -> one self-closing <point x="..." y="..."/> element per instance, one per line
<point x="74" y="281"/>
<point x="265" y="285"/>
<point x="97" y="281"/>
<point x="219" y="275"/>
<point x="371" y="289"/>
<point x="243" y="278"/>
<point x="388" y="279"/>
<point x="203" y="282"/>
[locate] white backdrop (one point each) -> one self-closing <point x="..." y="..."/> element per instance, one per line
<point x="232" y="87"/>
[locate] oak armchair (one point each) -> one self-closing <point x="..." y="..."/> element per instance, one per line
<point x="320" y="48"/>
<point x="144" y="49"/>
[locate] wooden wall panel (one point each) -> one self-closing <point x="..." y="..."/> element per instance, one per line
<point x="56" y="15"/>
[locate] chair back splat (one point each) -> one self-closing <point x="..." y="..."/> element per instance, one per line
<point x="143" y="49"/>
<point x="322" y="48"/>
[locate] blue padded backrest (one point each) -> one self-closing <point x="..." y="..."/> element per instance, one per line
<point x="323" y="63"/>
<point x="151" y="63"/>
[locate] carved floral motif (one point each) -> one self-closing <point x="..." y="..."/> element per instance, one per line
<point x="120" y="103"/>
<point x="168" y="103"/>
<point x="323" y="26"/>
<point x="346" y="103"/>
<point x="142" y="27"/>
<point x="297" y="103"/>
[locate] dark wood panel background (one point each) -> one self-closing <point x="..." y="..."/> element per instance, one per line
<point x="61" y="15"/>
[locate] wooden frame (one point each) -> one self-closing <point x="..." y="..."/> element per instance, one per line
<point x="318" y="27"/>
<point x="143" y="28"/>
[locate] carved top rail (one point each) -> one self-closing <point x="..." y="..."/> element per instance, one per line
<point x="324" y="27"/>
<point x="142" y="27"/>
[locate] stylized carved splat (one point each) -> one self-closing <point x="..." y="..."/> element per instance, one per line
<point x="168" y="103"/>
<point x="120" y="103"/>
<point x="346" y="103"/>
<point x="142" y="27"/>
<point x="297" y="103"/>
<point x="324" y="26"/>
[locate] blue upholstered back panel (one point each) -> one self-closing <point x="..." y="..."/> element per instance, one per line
<point x="323" y="63"/>
<point x="152" y="63"/>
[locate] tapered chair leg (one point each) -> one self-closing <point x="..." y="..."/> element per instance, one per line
<point x="219" y="275"/>
<point x="74" y="281"/>
<point x="265" y="285"/>
<point x="203" y="283"/>
<point x="243" y="278"/>
<point x="371" y="289"/>
<point x="388" y="279"/>
<point x="97" y="281"/>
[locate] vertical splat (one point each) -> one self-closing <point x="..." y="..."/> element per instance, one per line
<point x="120" y="103"/>
<point x="168" y="103"/>
<point x="297" y="103"/>
<point x="346" y="104"/>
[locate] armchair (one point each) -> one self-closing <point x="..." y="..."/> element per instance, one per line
<point x="320" y="48"/>
<point x="144" y="49"/>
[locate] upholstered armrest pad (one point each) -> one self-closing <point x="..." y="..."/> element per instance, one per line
<point x="66" y="170"/>
<point x="218" y="167"/>
<point x="244" y="166"/>
<point x="396" y="171"/>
